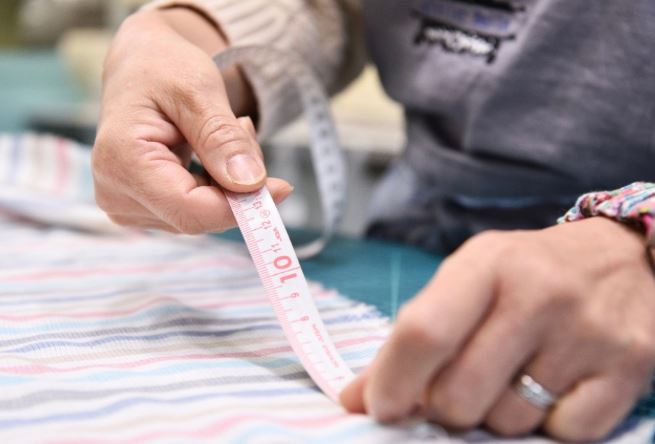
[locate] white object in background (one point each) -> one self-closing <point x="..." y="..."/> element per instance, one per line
<point x="366" y="119"/>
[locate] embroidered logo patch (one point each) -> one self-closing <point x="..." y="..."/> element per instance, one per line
<point x="475" y="27"/>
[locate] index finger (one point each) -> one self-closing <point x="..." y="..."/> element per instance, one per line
<point x="430" y="331"/>
<point x="174" y="195"/>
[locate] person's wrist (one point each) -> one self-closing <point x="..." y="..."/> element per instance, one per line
<point x="617" y="243"/>
<point x="632" y="207"/>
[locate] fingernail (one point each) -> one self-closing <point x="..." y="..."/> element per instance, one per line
<point x="245" y="169"/>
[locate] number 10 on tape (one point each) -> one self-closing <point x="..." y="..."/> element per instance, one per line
<point x="285" y="285"/>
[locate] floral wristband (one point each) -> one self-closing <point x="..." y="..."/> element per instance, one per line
<point x="633" y="205"/>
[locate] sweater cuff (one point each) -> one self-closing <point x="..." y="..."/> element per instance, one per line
<point x="265" y="22"/>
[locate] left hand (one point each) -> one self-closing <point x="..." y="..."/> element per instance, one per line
<point x="573" y="306"/>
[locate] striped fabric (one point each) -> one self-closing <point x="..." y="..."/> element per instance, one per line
<point x="137" y="337"/>
<point x="49" y="179"/>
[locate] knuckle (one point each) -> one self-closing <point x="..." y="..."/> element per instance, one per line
<point x="488" y="238"/>
<point x="492" y="247"/>
<point x="416" y="328"/>
<point x="498" y="243"/>
<point x="456" y="408"/>
<point x="221" y="131"/>
<point x="481" y="250"/>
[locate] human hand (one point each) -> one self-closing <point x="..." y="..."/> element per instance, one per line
<point x="164" y="100"/>
<point x="573" y="306"/>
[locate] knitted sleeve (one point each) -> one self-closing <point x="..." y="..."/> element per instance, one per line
<point x="326" y="34"/>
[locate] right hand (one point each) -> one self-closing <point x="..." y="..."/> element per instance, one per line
<point x="164" y="100"/>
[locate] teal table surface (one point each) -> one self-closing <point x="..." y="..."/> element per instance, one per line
<point x="375" y="272"/>
<point x="379" y="273"/>
<point x="31" y="82"/>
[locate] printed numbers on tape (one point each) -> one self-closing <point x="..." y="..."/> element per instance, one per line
<point x="286" y="287"/>
<point x="267" y="239"/>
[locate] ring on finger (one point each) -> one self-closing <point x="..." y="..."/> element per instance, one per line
<point x="533" y="392"/>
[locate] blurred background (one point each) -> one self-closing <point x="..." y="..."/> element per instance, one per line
<point x="51" y="54"/>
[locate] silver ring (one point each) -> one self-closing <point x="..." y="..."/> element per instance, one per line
<point x="533" y="392"/>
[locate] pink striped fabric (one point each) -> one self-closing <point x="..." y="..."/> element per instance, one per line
<point x="136" y="337"/>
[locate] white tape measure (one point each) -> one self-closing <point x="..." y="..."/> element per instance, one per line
<point x="287" y="289"/>
<point x="267" y="239"/>
<point x="327" y="157"/>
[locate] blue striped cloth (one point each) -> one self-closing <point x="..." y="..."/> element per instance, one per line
<point x="115" y="336"/>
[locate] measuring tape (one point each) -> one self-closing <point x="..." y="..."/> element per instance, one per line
<point x="327" y="157"/>
<point x="268" y="241"/>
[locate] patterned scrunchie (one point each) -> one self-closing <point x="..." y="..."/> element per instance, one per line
<point x="633" y="205"/>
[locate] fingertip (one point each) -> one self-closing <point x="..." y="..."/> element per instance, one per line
<point x="352" y="397"/>
<point x="280" y="189"/>
<point x="387" y="398"/>
<point x="381" y="408"/>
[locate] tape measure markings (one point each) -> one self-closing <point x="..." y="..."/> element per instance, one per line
<point x="327" y="158"/>
<point x="267" y="240"/>
<point x="286" y="287"/>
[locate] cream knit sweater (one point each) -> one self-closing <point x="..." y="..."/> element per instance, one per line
<point x="327" y="34"/>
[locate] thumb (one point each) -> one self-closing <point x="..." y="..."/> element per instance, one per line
<point x="225" y="145"/>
